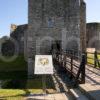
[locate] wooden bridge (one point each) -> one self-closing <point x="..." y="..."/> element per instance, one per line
<point x="82" y="74"/>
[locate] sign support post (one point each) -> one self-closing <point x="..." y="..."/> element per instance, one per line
<point x="44" y="83"/>
<point x="44" y="67"/>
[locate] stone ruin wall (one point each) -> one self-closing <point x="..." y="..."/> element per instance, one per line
<point x="68" y="18"/>
<point x="18" y="33"/>
<point x="93" y="35"/>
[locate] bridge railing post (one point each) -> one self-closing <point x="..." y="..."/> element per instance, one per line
<point x="95" y="58"/>
<point x="71" y="67"/>
<point x="81" y="70"/>
<point x="98" y="60"/>
<point x="86" y="57"/>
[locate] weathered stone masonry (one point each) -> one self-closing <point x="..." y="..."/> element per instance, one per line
<point x="50" y="21"/>
<point x="93" y="35"/>
<point x="18" y="33"/>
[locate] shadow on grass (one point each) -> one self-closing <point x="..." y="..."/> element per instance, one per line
<point x="34" y="83"/>
<point x="13" y="75"/>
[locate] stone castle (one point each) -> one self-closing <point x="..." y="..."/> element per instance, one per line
<point x="59" y="24"/>
<point x="17" y="33"/>
<point x="93" y="35"/>
<point x="47" y="21"/>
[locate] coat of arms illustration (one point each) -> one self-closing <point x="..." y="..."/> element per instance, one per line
<point x="43" y="61"/>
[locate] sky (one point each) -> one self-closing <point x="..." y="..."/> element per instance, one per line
<point x="16" y="12"/>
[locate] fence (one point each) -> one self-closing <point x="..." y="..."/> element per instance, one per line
<point x="74" y="66"/>
<point x="93" y="59"/>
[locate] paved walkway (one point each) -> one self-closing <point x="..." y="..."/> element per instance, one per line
<point x="91" y="88"/>
<point x="92" y="85"/>
<point x="92" y="75"/>
<point x="59" y="96"/>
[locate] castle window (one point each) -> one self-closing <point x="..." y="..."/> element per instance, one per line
<point x="50" y="22"/>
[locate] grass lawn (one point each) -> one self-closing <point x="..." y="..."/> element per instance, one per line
<point x="90" y="60"/>
<point x="34" y="83"/>
<point x="17" y="94"/>
<point x="32" y="86"/>
<point x="19" y="64"/>
<point x="14" y="74"/>
<point x="14" y="69"/>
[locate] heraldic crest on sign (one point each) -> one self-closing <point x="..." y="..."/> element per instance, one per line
<point x="43" y="61"/>
<point x="43" y="64"/>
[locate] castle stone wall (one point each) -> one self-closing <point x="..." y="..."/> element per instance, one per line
<point x="93" y="35"/>
<point x="54" y="20"/>
<point x="18" y="35"/>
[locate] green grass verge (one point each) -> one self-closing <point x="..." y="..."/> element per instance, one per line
<point x="13" y="70"/>
<point x="19" y="64"/>
<point x="34" y="86"/>
<point x="17" y="69"/>
<point x="35" y="83"/>
<point x="90" y="58"/>
<point x="17" y="94"/>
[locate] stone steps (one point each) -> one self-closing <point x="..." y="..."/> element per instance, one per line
<point x="78" y="95"/>
<point x="92" y="91"/>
